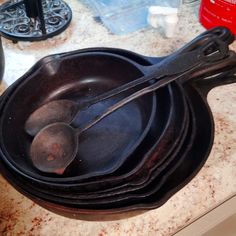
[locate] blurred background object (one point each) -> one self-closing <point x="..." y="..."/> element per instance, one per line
<point x="165" y="18"/>
<point x="218" y="13"/>
<point x="33" y="20"/>
<point x="122" y="17"/>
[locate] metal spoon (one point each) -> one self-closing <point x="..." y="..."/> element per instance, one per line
<point x="66" y="110"/>
<point x="56" y="145"/>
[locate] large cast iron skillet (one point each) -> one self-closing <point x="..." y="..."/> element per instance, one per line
<point x="176" y="156"/>
<point x="184" y="172"/>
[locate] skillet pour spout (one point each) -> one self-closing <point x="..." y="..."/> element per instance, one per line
<point x="134" y="160"/>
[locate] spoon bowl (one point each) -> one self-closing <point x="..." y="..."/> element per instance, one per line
<point x="50" y="113"/>
<point x="54" y="148"/>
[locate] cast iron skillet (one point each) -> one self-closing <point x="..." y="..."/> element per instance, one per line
<point x="183" y="173"/>
<point x="94" y="186"/>
<point x="113" y="191"/>
<point x="193" y="165"/>
<point x="119" y="134"/>
<point x="188" y="168"/>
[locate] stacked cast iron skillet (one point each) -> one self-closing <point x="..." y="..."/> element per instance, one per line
<point x="133" y="160"/>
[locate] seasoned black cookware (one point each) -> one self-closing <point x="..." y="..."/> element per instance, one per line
<point x="140" y="175"/>
<point x="162" y="186"/>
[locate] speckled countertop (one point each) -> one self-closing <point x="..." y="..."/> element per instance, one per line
<point x="213" y="184"/>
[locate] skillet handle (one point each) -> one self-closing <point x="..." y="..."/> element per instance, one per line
<point x="207" y="84"/>
<point x="220" y="32"/>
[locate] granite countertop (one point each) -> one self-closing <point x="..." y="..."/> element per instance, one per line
<point x="213" y="184"/>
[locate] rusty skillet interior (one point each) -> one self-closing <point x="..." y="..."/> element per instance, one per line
<point x="79" y="77"/>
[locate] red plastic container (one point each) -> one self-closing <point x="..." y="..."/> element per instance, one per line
<point x="218" y="13"/>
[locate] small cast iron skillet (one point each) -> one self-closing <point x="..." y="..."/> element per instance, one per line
<point x="77" y="77"/>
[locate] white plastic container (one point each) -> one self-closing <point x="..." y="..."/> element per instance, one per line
<point x="164" y="17"/>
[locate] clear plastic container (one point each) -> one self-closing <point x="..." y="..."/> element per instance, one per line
<point x="125" y="16"/>
<point x="121" y="16"/>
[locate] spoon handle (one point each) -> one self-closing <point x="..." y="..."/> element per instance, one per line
<point x="135" y="95"/>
